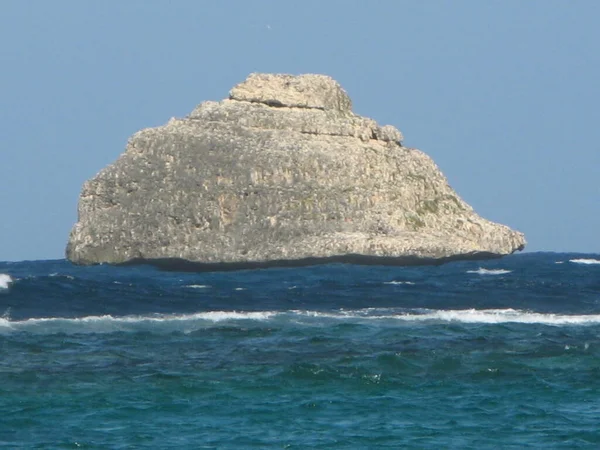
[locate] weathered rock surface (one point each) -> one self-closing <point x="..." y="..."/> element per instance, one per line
<point x="282" y="172"/>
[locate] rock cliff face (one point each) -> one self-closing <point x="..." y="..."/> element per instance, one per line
<point x="280" y="173"/>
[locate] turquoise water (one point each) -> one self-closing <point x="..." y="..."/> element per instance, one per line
<point x="495" y="354"/>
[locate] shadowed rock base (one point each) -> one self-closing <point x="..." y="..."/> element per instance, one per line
<point x="182" y="265"/>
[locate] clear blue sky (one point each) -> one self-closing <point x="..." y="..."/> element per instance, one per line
<point x="504" y="95"/>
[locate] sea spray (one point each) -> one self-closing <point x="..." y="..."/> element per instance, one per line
<point x="5" y="280"/>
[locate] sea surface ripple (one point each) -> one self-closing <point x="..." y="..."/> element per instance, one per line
<point x="468" y="355"/>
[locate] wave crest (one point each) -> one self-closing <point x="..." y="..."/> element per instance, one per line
<point x="191" y="322"/>
<point x="585" y="261"/>
<point x="482" y="271"/>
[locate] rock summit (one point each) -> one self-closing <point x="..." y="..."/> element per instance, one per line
<point x="280" y="173"/>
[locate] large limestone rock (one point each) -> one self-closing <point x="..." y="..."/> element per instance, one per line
<point x="282" y="172"/>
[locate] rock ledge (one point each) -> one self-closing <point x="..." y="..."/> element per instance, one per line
<point x="303" y="91"/>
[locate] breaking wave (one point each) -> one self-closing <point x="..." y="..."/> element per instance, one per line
<point x="111" y="324"/>
<point x="482" y="271"/>
<point x="191" y="322"/>
<point x="585" y="261"/>
<point x="483" y="316"/>
<point x="5" y="280"/>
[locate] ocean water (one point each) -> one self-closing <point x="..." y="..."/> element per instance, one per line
<point x="468" y="355"/>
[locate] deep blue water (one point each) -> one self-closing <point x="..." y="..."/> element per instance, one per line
<point x="468" y="355"/>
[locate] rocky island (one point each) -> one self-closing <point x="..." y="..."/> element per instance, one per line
<point x="280" y="173"/>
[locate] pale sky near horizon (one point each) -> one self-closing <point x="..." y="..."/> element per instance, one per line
<point x="503" y="95"/>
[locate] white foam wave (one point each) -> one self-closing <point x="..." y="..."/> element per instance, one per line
<point x="482" y="271"/>
<point x="5" y="280"/>
<point x="483" y="316"/>
<point x="585" y="261"/>
<point x="109" y="324"/>
<point x="197" y="286"/>
<point x="492" y="316"/>
<point x="398" y="282"/>
<point x="190" y="322"/>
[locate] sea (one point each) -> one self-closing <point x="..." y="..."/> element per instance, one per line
<point x="495" y="354"/>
